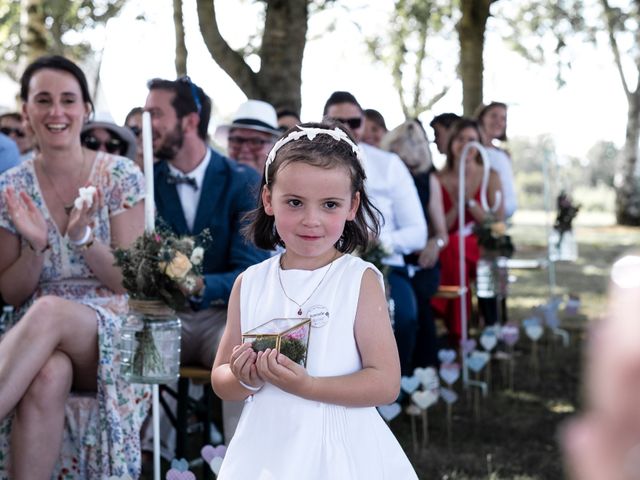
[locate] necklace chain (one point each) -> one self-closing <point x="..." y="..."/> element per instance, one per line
<point x="67" y="207"/>
<point x="312" y="292"/>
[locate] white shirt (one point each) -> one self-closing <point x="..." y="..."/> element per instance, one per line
<point x="391" y="189"/>
<point x="501" y="163"/>
<point x="189" y="196"/>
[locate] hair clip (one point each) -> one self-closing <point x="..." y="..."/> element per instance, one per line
<point x="311" y="133"/>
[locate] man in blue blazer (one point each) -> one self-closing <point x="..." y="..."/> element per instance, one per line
<point x="197" y="188"/>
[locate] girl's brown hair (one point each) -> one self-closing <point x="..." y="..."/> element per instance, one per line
<point x="324" y="152"/>
<point x="456" y="128"/>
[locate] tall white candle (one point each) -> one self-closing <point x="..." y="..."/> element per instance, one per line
<point x="147" y="150"/>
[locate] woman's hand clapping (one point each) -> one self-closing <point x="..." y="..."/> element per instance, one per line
<point x="27" y="218"/>
<point x="81" y="218"/>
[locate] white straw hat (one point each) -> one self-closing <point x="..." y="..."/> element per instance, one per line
<point x="252" y="115"/>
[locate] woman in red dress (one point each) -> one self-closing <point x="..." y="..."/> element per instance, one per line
<point x="462" y="132"/>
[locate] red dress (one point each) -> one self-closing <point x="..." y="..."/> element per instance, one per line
<point x="450" y="270"/>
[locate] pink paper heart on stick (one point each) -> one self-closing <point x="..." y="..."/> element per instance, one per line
<point x="450" y="373"/>
<point x="209" y="452"/>
<point x="174" y="474"/>
<point x="468" y="345"/>
<point x="510" y="334"/>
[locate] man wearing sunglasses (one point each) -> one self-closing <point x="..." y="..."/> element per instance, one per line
<point x="404" y="230"/>
<point x="11" y="125"/>
<point x="196" y="188"/>
<point x="251" y="134"/>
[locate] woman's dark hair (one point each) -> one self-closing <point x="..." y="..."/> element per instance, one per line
<point x="482" y="110"/>
<point x="323" y="152"/>
<point x="189" y="98"/>
<point x="134" y="111"/>
<point x="456" y="128"/>
<point x="54" y="62"/>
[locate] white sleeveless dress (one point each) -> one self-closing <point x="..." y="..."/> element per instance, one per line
<point x="284" y="437"/>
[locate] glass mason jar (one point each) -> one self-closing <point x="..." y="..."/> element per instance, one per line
<point x="492" y="277"/>
<point x="562" y="246"/>
<point x="150" y="343"/>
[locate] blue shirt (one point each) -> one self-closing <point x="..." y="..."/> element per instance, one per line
<point x="9" y="154"/>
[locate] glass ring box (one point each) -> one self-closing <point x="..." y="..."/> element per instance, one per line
<point x="289" y="336"/>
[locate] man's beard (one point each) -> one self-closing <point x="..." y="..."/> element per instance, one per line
<point x="172" y="143"/>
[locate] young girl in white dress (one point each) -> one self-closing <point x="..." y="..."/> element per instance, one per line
<point x="319" y="422"/>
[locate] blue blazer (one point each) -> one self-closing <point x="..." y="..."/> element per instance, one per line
<point x="228" y="191"/>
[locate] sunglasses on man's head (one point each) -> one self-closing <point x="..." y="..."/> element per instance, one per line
<point x="353" y="123"/>
<point x="194" y="91"/>
<point x="113" y="145"/>
<point x="15" y="131"/>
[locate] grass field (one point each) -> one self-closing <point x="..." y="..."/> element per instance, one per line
<point x="513" y="434"/>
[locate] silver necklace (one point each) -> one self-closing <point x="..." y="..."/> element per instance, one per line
<point x="314" y="290"/>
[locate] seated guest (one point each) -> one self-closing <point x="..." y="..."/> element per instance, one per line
<point x="374" y="127"/>
<point x="492" y="120"/>
<point x="196" y="188"/>
<point x="287" y="119"/>
<point x="441" y="125"/>
<point x="103" y="135"/>
<point x="393" y="193"/>
<point x="57" y="269"/>
<point x="12" y="126"/>
<point x="9" y="153"/>
<point x="251" y="134"/>
<point x="133" y="121"/>
<point x="409" y="141"/>
<point x="462" y="132"/>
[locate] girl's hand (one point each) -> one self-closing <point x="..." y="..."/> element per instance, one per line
<point x="243" y="365"/>
<point x="27" y="218"/>
<point x="284" y="373"/>
<point x="80" y="219"/>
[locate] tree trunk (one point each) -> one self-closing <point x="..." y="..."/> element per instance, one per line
<point x="33" y="32"/>
<point x="628" y="191"/>
<point x="181" y="48"/>
<point x="279" y="79"/>
<point x="471" y="28"/>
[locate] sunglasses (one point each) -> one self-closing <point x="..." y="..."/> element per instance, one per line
<point x="113" y="145"/>
<point x="194" y="91"/>
<point x="354" y="123"/>
<point x="252" y="143"/>
<point x="135" y="130"/>
<point x="12" y="131"/>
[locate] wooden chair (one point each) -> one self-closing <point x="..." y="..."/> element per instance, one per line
<point x="203" y="410"/>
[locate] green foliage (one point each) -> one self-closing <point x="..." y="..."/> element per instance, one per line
<point x="289" y="347"/>
<point x="65" y="21"/>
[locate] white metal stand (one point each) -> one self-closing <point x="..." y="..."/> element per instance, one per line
<point x="461" y="245"/>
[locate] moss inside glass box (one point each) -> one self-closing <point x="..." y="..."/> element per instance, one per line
<point x="289" y="336"/>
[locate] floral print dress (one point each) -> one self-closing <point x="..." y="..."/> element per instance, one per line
<point x="101" y="436"/>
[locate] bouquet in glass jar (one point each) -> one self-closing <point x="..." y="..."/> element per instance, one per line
<point x="492" y="237"/>
<point x="159" y="271"/>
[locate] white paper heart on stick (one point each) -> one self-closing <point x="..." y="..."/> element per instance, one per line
<point x="409" y="384"/>
<point x="449" y="396"/>
<point x="413" y="410"/>
<point x="534" y="332"/>
<point x="424" y="399"/>
<point x="389" y="412"/>
<point x="477" y="360"/>
<point x="488" y="341"/>
<point x="449" y="373"/>
<point x="215" y="464"/>
<point x="446" y="355"/>
<point x="429" y="378"/>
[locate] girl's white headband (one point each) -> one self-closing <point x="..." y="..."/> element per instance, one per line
<point x="310" y="133"/>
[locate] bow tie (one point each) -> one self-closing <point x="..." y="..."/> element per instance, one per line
<point x="182" y="179"/>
